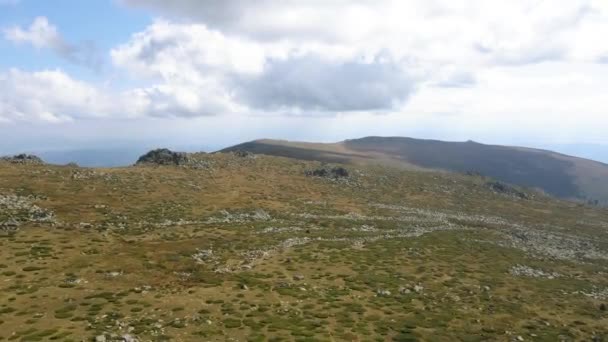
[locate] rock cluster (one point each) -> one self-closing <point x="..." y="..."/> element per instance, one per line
<point x="336" y="172"/>
<point x="163" y="156"/>
<point x="505" y="189"/>
<point x="228" y="217"/>
<point x="23" y="159"/>
<point x="243" y="154"/>
<point x="16" y="210"/>
<point x="526" y="271"/>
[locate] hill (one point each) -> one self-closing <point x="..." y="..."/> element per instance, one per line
<point x="245" y="247"/>
<point x="557" y="174"/>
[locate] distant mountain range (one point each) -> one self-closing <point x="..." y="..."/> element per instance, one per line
<point x="554" y="173"/>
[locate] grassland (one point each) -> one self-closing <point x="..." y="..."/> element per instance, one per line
<point x="244" y="248"/>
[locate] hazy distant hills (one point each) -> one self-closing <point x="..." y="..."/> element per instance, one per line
<point x="557" y="174"/>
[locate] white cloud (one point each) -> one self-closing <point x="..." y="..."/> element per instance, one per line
<point x="511" y="32"/>
<point x="51" y="96"/>
<point x="349" y="56"/>
<point x="44" y="35"/>
<point x="40" y="34"/>
<point x="311" y="83"/>
<point x="204" y="72"/>
<point x="173" y="51"/>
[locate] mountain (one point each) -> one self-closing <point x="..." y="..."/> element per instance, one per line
<point x="557" y="174"/>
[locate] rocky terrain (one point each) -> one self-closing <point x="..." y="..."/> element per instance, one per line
<point x="244" y="247"/>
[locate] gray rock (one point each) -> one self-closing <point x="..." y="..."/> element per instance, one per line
<point x="404" y="290"/>
<point x="383" y="292"/>
<point x="128" y="338"/>
<point x="100" y="338"/>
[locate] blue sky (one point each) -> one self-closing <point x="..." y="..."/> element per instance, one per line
<point x="105" y="23"/>
<point x="134" y="74"/>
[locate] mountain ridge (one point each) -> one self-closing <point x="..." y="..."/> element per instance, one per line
<point x="556" y="173"/>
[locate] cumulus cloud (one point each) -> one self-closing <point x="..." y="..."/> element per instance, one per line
<point x="50" y="96"/>
<point x="311" y="83"/>
<point x="512" y="32"/>
<point x="173" y="51"/>
<point x="43" y="35"/>
<point x="203" y="71"/>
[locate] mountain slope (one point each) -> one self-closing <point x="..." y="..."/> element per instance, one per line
<point x="242" y="247"/>
<point x="557" y="174"/>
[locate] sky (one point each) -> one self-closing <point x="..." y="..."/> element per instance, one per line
<point x="127" y="75"/>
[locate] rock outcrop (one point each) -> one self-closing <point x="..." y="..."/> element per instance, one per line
<point x="163" y="156"/>
<point x="326" y="172"/>
<point x="23" y="159"/>
<point x="505" y="189"/>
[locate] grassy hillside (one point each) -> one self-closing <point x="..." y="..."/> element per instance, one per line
<point x="245" y="247"/>
<point x="557" y="174"/>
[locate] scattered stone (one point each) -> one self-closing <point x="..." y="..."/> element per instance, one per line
<point x="298" y="277"/>
<point x="204" y="256"/>
<point x="227" y="217"/>
<point x="17" y="210"/>
<point x="383" y="292"/>
<point x="85" y="174"/>
<point x="404" y="290"/>
<point x="244" y="287"/>
<point x="418" y="288"/>
<point x="526" y="271"/>
<point x="128" y="338"/>
<point x="100" y="338"/>
<point x="113" y="274"/>
<point x="243" y="154"/>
